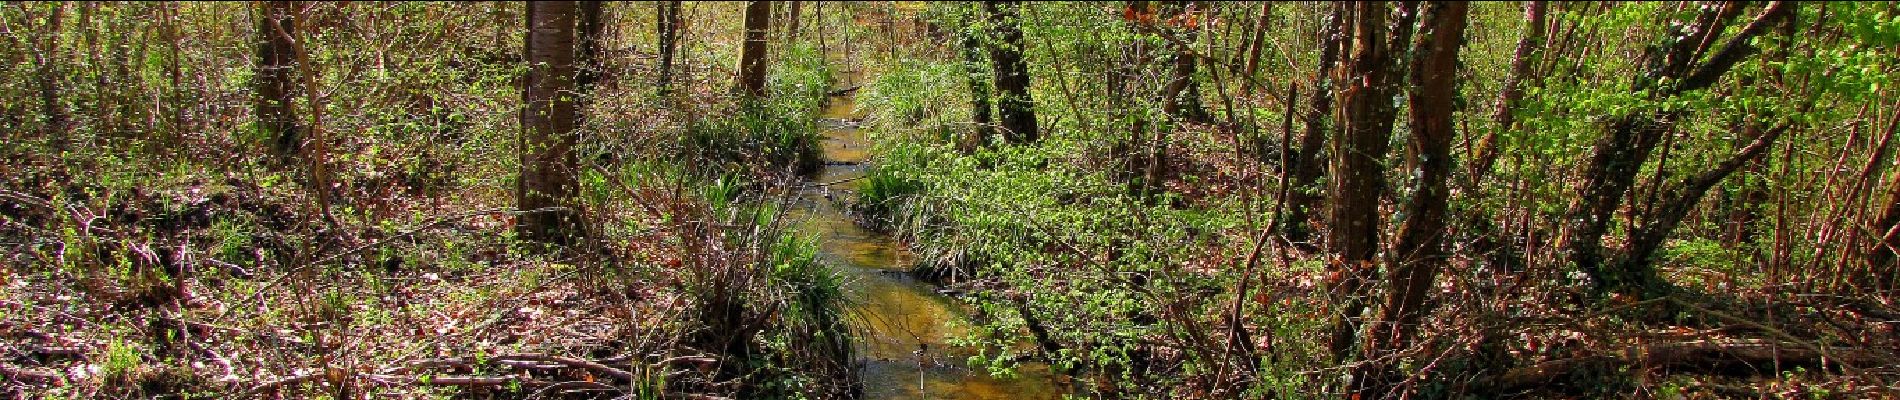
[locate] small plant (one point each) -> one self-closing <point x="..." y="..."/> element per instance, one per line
<point x="122" y="362"/>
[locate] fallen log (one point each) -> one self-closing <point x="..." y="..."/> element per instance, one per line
<point x="1731" y="358"/>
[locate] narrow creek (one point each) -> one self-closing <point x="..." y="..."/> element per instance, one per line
<point x="903" y="324"/>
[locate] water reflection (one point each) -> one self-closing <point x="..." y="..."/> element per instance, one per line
<point x="903" y="324"/>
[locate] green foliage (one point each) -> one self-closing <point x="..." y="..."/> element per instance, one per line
<point x="778" y="133"/>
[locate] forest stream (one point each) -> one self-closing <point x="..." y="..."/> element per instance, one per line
<point x="903" y="324"/>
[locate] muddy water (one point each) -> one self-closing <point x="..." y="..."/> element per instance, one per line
<point x="903" y="324"/>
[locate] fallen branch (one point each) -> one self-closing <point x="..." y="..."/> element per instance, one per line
<point x="448" y="380"/>
<point x="24" y="375"/>
<point x="1736" y="358"/>
<point x="844" y="91"/>
<point x="272" y="386"/>
<point x="590" y="366"/>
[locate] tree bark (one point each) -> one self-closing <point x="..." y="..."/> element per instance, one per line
<point x="276" y="90"/>
<point x="1258" y="41"/>
<point x="973" y="70"/>
<point x="1884" y="272"/>
<point x="52" y="106"/>
<point x="1503" y="115"/>
<point x="792" y="22"/>
<point x="1357" y="164"/>
<point x="669" y="30"/>
<point x="1183" y="92"/>
<point x="1419" y="251"/>
<point x="1304" y="166"/>
<point x="1015" y="107"/>
<point x="758" y="21"/>
<point x="592" y="28"/>
<point x="1617" y="158"/>
<point x="547" y="187"/>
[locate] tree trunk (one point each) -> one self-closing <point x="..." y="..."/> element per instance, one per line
<point x="1503" y="117"/>
<point x="52" y="107"/>
<point x="1183" y="92"/>
<point x="1357" y="165"/>
<point x="1617" y="158"/>
<point x="1303" y="166"/>
<point x="1486" y="240"/>
<point x="1015" y="108"/>
<point x="589" y="62"/>
<point x="669" y="31"/>
<point x="547" y="184"/>
<point x="1419" y="251"/>
<point x="791" y="21"/>
<point x="1883" y="270"/>
<point x="758" y="19"/>
<point x="979" y="91"/>
<point x="276" y="90"/>
<point x="1258" y="41"/>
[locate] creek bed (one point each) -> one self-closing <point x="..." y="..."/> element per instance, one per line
<point x="903" y="325"/>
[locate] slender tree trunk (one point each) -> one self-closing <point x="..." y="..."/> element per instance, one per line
<point x="547" y="187"/>
<point x="1617" y="158"/>
<point x="1357" y="167"/>
<point x="1503" y="114"/>
<point x="758" y="20"/>
<point x="1883" y="270"/>
<point x="1419" y="251"/>
<point x="276" y="90"/>
<point x="174" y="71"/>
<point x="1183" y="92"/>
<point x="47" y="56"/>
<point x="792" y="22"/>
<point x="1304" y="167"/>
<point x="1015" y="108"/>
<point x="593" y="25"/>
<point x="1258" y="42"/>
<point x="1486" y="240"/>
<point x="973" y="67"/>
<point x="669" y="32"/>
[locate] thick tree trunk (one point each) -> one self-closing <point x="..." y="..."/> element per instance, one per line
<point x="669" y="32"/>
<point x="1357" y="164"/>
<point x="973" y="68"/>
<point x="276" y="90"/>
<point x="1015" y="108"/>
<point x="547" y="187"/>
<point x="1419" y="251"/>
<point x="758" y="21"/>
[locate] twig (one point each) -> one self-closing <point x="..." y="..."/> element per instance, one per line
<point x="26" y="199"/>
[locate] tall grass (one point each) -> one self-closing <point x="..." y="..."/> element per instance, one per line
<point x="778" y="132"/>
